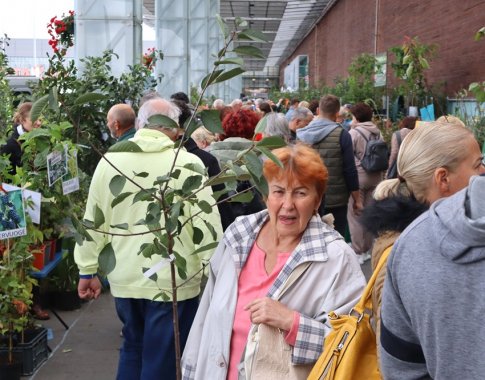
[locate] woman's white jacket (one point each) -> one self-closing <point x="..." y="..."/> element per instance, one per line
<point x="333" y="282"/>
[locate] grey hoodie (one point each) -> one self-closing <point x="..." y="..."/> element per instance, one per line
<point x="433" y="302"/>
<point x="316" y="131"/>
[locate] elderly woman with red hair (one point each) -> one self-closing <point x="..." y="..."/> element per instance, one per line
<point x="259" y="255"/>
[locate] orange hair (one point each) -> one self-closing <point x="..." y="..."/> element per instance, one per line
<point x="300" y="163"/>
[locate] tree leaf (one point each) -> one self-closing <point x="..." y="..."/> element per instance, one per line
<point x="254" y="164"/>
<point x="120" y="198"/>
<point x="209" y="78"/>
<point x="98" y="217"/>
<point x="122" y="226"/>
<point x="211" y="121"/>
<point x="125" y="146"/>
<point x="191" y="183"/>
<point x="38" y="107"/>
<point x="480" y="34"/>
<point x="271" y="156"/>
<point x="143" y="195"/>
<point x="107" y="259"/>
<point x="271" y="142"/>
<point x="229" y="74"/>
<point x="250" y="51"/>
<point x="253" y="35"/>
<point x="243" y="197"/>
<point x="153" y="277"/>
<point x="198" y="236"/>
<point x="211" y="229"/>
<point x="90" y="97"/>
<point x="205" y="247"/>
<point x="190" y="126"/>
<point x="195" y="168"/>
<point x="142" y="174"/>
<point x="231" y="61"/>
<point x="116" y="184"/>
<point x="162" y="121"/>
<point x="222" y="26"/>
<point x="261" y="126"/>
<point x="221" y="179"/>
<point x="205" y="206"/>
<point x="261" y="184"/>
<point x="53" y="99"/>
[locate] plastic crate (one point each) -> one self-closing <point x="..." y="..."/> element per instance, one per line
<point x="32" y="353"/>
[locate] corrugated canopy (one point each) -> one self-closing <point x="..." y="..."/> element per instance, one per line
<point x="285" y="23"/>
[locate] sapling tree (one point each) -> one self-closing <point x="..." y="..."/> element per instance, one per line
<point x="172" y="205"/>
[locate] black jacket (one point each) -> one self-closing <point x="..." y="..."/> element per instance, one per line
<point x="13" y="149"/>
<point x="213" y="168"/>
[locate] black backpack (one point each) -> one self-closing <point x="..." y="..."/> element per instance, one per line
<point x="392" y="172"/>
<point x="376" y="155"/>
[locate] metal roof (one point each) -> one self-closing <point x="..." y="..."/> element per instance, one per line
<point x="285" y="23"/>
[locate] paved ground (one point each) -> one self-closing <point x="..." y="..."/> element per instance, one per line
<point x="89" y="349"/>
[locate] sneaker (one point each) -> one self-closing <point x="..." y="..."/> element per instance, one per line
<point x="363" y="257"/>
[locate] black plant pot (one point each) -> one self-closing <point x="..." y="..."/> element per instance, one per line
<point x="10" y="371"/>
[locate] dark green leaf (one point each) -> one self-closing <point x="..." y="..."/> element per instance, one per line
<point x="271" y="142"/>
<point x="221" y="179"/>
<point x="116" y="184"/>
<point x="107" y="259"/>
<point x="176" y="173"/>
<point x="98" y="217"/>
<point x="125" y="146"/>
<point x="211" y="120"/>
<point x="122" y="226"/>
<point x="88" y="223"/>
<point x="242" y="175"/>
<point x="162" y="121"/>
<point x="161" y="179"/>
<point x="205" y="206"/>
<point x="38" y="107"/>
<point x="229" y="74"/>
<point x="271" y="156"/>
<point x="244" y="197"/>
<point x="211" y="230"/>
<point x="250" y="51"/>
<point x="182" y="273"/>
<point x="230" y="61"/>
<point x="253" y="35"/>
<point x="191" y="183"/>
<point x="153" y="277"/>
<point x="198" y="236"/>
<point x="261" y="184"/>
<point x="209" y="78"/>
<point x="205" y="248"/>
<point x="143" y="195"/>
<point x="142" y="174"/>
<point x="120" y="198"/>
<point x="148" y="250"/>
<point x="163" y="296"/>
<point x="254" y="164"/>
<point x="90" y="97"/>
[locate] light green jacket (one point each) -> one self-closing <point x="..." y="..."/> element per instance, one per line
<point x="127" y="279"/>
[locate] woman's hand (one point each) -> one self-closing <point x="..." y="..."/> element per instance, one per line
<point x="270" y="312"/>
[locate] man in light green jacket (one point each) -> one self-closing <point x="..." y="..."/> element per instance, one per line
<point x="148" y="348"/>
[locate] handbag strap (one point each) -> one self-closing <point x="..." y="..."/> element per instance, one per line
<point x="294" y="275"/>
<point x="364" y="302"/>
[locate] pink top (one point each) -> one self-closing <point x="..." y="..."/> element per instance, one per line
<point x="253" y="283"/>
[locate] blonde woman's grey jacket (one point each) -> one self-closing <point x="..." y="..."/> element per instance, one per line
<point x="333" y="281"/>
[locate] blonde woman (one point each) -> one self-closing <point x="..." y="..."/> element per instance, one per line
<point x="431" y="165"/>
<point x="22" y="124"/>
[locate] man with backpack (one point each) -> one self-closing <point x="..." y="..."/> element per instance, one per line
<point x="334" y="145"/>
<point x="371" y="159"/>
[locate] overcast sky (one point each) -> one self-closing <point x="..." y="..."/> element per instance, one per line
<point x="29" y="18"/>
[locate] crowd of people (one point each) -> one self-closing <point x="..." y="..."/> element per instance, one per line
<point x="281" y="261"/>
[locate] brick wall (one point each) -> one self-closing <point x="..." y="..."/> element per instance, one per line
<point x="348" y="30"/>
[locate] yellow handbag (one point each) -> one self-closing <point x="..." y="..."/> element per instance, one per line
<point x="350" y="350"/>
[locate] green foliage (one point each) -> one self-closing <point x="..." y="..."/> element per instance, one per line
<point x="6" y="110"/>
<point x="410" y="64"/>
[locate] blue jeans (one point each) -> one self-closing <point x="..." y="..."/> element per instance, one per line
<point x="148" y="350"/>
